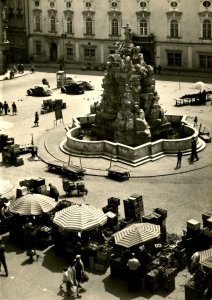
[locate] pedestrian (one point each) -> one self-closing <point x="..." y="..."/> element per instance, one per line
<point x="64" y="278"/>
<point x="30" y="234"/>
<point x="195" y="121"/>
<point x="179" y="159"/>
<point x="3" y="258"/>
<point x="133" y="265"/>
<point x="72" y="281"/>
<point x="53" y="193"/>
<point x="79" y="266"/>
<point x="36" y="122"/>
<point x="14" y="108"/>
<point x="194" y="150"/>
<point x="159" y="69"/>
<point x="32" y="68"/>
<point x="1" y="108"/>
<point x="6" y="107"/>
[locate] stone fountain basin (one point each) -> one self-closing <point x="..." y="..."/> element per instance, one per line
<point x="132" y="156"/>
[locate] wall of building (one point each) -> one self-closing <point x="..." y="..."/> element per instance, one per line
<point x="189" y="42"/>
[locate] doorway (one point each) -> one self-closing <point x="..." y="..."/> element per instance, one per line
<point x="53" y="52"/>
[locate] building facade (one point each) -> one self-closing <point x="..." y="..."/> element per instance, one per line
<point x="16" y="31"/>
<point x="175" y="34"/>
<point x="4" y="43"/>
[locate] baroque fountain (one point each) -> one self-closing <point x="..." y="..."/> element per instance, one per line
<point x="128" y="125"/>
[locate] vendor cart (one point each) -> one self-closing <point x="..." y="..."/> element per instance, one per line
<point x="72" y="171"/>
<point x="118" y="173"/>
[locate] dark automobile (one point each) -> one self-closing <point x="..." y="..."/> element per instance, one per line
<point x="87" y="86"/>
<point x="72" y="88"/>
<point x="39" y="90"/>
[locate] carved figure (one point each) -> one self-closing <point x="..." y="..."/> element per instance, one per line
<point x="127" y="33"/>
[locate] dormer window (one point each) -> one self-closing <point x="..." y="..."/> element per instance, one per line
<point x="52" y="4"/>
<point x="142" y="4"/>
<point x="206" y="4"/>
<point x="68" y="4"/>
<point x="37" y="3"/>
<point x="174" y="4"/>
<point x="114" y="4"/>
<point x="88" y="5"/>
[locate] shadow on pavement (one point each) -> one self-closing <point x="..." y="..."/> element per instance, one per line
<point x="52" y="262"/>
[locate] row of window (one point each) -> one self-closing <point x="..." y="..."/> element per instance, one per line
<point x="116" y="27"/>
<point x="174" y="59"/>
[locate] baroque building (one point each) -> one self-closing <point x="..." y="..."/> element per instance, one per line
<point x="4" y="43"/>
<point x="175" y="34"/>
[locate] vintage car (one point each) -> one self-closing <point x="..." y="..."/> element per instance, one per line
<point x="39" y="90"/>
<point x="72" y="88"/>
<point x="87" y="86"/>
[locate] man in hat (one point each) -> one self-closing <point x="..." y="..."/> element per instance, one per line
<point x="3" y="258"/>
<point x="53" y="193"/>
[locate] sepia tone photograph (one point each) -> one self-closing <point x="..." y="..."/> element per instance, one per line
<point x="105" y="149"/>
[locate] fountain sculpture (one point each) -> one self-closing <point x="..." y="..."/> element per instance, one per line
<point x="128" y="124"/>
<point x="129" y="112"/>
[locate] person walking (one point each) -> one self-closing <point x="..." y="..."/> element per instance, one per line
<point x="14" y="108"/>
<point x="36" y="122"/>
<point x="72" y="281"/>
<point x="194" y="150"/>
<point x="179" y="159"/>
<point x="133" y="265"/>
<point x="53" y="193"/>
<point x="79" y="266"/>
<point x="195" y="121"/>
<point x="6" y="107"/>
<point x="3" y="258"/>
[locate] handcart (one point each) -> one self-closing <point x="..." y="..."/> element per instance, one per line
<point x="118" y="173"/>
<point x="71" y="171"/>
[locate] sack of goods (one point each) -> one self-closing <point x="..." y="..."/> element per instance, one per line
<point x="85" y="277"/>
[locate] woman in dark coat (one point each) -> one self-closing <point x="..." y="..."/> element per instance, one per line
<point x="36" y="119"/>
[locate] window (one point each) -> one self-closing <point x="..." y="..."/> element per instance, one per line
<point x="70" y="53"/>
<point x="38" y="48"/>
<point x="69" y="26"/>
<point x="19" y="4"/>
<point x="114" y="27"/>
<point x="174" y="4"/>
<point x="143" y="27"/>
<point x="89" y="26"/>
<point x="89" y="54"/>
<point x="207" y="4"/>
<point x="114" y="4"/>
<point x="52" y="4"/>
<point x="37" y="3"/>
<point x="142" y="4"/>
<point x="174" y="59"/>
<point x="206" y="29"/>
<point x="68" y="4"/>
<point x="52" y="24"/>
<point x="174" y="29"/>
<point x="205" y="61"/>
<point x="88" y="5"/>
<point x="37" y="23"/>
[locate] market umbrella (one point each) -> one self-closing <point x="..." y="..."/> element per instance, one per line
<point x="136" y="234"/>
<point x="80" y="217"/>
<point x="5" y="186"/>
<point x="206" y="258"/>
<point x="32" y="204"/>
<point x="200" y="86"/>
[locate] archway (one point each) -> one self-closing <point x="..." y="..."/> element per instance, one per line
<point x="53" y="52"/>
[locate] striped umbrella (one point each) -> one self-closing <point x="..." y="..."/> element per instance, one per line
<point x="32" y="204"/>
<point x="5" y="186"/>
<point x="206" y="258"/>
<point x="79" y="217"/>
<point x="136" y="234"/>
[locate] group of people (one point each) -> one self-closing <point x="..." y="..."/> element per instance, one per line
<point x="4" y="108"/>
<point x="74" y="276"/>
<point x="193" y="156"/>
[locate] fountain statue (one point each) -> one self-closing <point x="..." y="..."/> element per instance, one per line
<point x="129" y="112"/>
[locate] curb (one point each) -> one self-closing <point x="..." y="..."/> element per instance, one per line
<point x="20" y="75"/>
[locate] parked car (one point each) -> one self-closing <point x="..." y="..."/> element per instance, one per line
<point x="39" y="90"/>
<point x="87" y="86"/>
<point x="72" y="88"/>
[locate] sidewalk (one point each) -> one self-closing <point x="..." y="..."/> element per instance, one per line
<point x="6" y="76"/>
